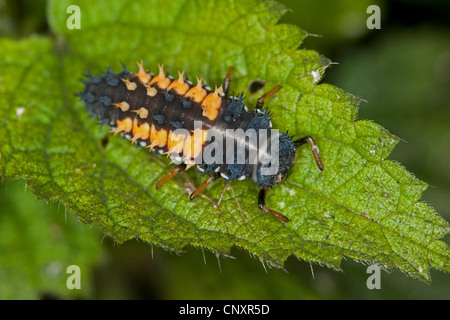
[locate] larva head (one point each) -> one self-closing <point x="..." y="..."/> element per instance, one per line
<point x="275" y="165"/>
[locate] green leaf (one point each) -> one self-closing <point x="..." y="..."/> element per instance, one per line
<point x="361" y="206"/>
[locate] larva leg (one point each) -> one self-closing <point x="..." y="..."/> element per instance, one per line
<point x="203" y="186"/>
<point x="314" y="149"/>
<point x="227" y="81"/>
<point x="170" y="175"/>
<point x="260" y="102"/>
<point x="262" y="205"/>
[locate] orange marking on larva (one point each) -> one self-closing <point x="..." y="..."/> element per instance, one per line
<point x="197" y="93"/>
<point x="151" y="91"/>
<point x="131" y="86"/>
<point x="142" y="113"/>
<point x="161" y="80"/>
<point x="189" y="163"/>
<point x="159" y="137"/>
<point x="219" y="91"/>
<point x="140" y="131"/>
<point x="194" y="143"/>
<point x="152" y="145"/>
<point x="125" y="125"/>
<point x="124" y="106"/>
<point x="179" y="86"/>
<point x="175" y="143"/>
<point x="142" y="75"/>
<point x="212" y="103"/>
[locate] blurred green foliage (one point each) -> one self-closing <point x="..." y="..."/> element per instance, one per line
<point x="19" y="18"/>
<point x="331" y="24"/>
<point x="39" y="240"/>
<point x="404" y="75"/>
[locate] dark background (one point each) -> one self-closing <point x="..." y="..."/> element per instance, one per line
<point x="401" y="70"/>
